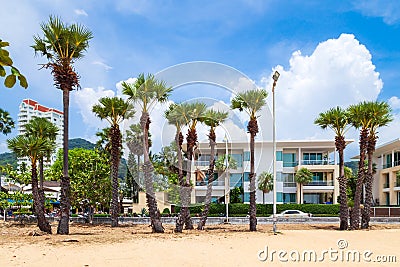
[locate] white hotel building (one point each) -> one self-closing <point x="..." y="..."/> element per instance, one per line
<point x="318" y="156"/>
<point x="29" y="109"/>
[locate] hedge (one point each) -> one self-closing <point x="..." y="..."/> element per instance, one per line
<point x="265" y="209"/>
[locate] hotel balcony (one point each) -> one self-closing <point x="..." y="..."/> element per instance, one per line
<point x="320" y="186"/>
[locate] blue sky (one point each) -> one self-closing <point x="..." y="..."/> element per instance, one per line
<point x="328" y="52"/>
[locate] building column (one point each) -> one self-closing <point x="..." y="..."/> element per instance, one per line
<point x="299" y="157"/>
<point x="392" y="158"/>
<point x="381" y="167"/>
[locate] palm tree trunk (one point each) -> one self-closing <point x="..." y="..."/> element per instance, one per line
<point x="180" y="221"/>
<point x="43" y="224"/>
<point x="344" y="211"/>
<point x="210" y="173"/>
<point x="185" y="190"/>
<point x="148" y="177"/>
<point x="369" y="179"/>
<point x="65" y="204"/>
<point x="253" y="130"/>
<point x="115" y="158"/>
<point x="41" y="175"/>
<point x="360" y="180"/>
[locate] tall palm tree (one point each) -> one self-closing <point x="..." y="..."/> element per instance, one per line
<point x="33" y="147"/>
<point x="177" y="115"/>
<point x="114" y="110"/>
<point x="303" y="176"/>
<point x="195" y="113"/>
<point x="6" y="122"/>
<point x="251" y="101"/>
<point x="212" y="118"/>
<point x="62" y="45"/>
<point x="360" y="118"/>
<point x="265" y="183"/>
<point x="337" y="120"/>
<point x="381" y="116"/>
<point x="147" y="91"/>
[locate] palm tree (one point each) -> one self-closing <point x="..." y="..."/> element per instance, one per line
<point x="62" y="45"/>
<point x="177" y="116"/>
<point x="381" y="116"/>
<point x="265" y="183"/>
<point x="6" y="122"/>
<point x="42" y="128"/>
<point x="114" y="110"/>
<point x="212" y="118"/>
<point x="303" y="176"/>
<point x="251" y="101"/>
<point x="195" y="113"/>
<point x="337" y="119"/>
<point x="147" y="92"/>
<point x="34" y="148"/>
<point x="360" y="118"/>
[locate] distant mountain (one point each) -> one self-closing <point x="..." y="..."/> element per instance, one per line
<point x="80" y="143"/>
<point x="8" y="158"/>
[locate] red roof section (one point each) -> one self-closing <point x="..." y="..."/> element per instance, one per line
<point x="37" y="106"/>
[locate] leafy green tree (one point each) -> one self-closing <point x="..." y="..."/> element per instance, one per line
<point x="381" y="116"/>
<point x="212" y="119"/>
<point x="114" y="110"/>
<point x="303" y="176"/>
<point x="6" y="122"/>
<point x="90" y="176"/>
<point x="33" y="148"/>
<point x="6" y="61"/>
<point x="62" y="45"/>
<point x="220" y="163"/>
<point x="147" y="92"/>
<point x="265" y="183"/>
<point x="337" y="120"/>
<point x="236" y="194"/>
<point x="252" y="102"/>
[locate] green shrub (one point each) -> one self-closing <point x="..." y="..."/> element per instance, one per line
<point x="166" y="211"/>
<point x="101" y="215"/>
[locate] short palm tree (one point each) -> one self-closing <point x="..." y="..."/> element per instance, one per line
<point x="147" y="91"/>
<point x="265" y="183"/>
<point x="337" y="120"/>
<point x="114" y="110"/>
<point x="212" y="118"/>
<point x="62" y="45"/>
<point x="6" y="122"/>
<point x="360" y="118"/>
<point x="381" y="116"/>
<point x="34" y="148"/>
<point x="252" y="102"/>
<point x="303" y="176"/>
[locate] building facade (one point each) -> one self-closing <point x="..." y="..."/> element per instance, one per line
<point x="316" y="155"/>
<point x="386" y="186"/>
<point x="29" y="109"/>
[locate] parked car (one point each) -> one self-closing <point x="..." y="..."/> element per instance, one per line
<point x="293" y="214"/>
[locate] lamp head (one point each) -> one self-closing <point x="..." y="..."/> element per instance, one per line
<point x="276" y="75"/>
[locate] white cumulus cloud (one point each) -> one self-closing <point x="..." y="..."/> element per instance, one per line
<point x="80" y="12"/>
<point x="394" y="102"/>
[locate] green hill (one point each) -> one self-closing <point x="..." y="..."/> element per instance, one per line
<point x="80" y="143"/>
<point x="8" y="158"/>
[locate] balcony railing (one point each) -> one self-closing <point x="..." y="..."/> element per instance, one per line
<point x="321" y="183"/>
<point x="289" y="184"/>
<point x="391" y="164"/>
<point x="201" y="163"/>
<point x="290" y="164"/>
<point x="214" y="183"/>
<point x="317" y="162"/>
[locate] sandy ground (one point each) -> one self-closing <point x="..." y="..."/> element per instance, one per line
<point x="220" y="245"/>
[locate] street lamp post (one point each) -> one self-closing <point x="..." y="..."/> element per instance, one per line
<point x="275" y="78"/>
<point x="226" y="179"/>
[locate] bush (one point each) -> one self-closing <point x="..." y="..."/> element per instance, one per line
<point x="101" y="215"/>
<point x="166" y="211"/>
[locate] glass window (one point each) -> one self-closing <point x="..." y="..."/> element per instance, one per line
<point x="289" y="159"/>
<point x="238" y="159"/>
<point x="279" y="197"/>
<point x="279" y="156"/>
<point x="279" y="177"/>
<point x="235" y="180"/>
<point x="246" y="177"/>
<point x="246" y="156"/>
<point x="246" y="197"/>
<point x="289" y="197"/>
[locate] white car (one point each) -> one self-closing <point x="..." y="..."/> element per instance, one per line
<point x="293" y="214"/>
